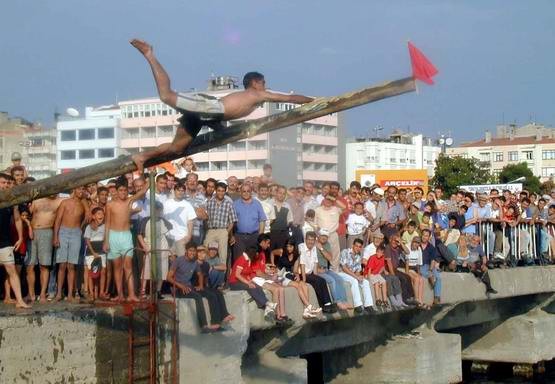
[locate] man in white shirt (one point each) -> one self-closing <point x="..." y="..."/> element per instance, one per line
<point x="180" y="213"/>
<point x="267" y="205"/>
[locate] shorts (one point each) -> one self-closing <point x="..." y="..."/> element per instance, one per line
<point x="6" y="255"/>
<point x="121" y="244"/>
<point x="89" y="259"/>
<point x="376" y="279"/>
<point x="41" y="248"/>
<point x="199" y="110"/>
<point x="70" y="245"/>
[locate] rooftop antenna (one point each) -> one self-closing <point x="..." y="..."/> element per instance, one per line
<point x="377" y="130"/>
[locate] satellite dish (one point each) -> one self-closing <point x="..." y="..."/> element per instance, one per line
<point x="449" y="141"/>
<point x="72" y="112"/>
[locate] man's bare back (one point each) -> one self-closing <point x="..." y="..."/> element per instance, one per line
<point x="44" y="212"/>
<point x="119" y="212"/>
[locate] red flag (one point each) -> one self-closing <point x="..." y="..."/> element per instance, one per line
<point x="422" y="68"/>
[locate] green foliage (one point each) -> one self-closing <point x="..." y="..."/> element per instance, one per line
<point x="451" y="172"/>
<point x="514" y="171"/>
<point x="547" y="186"/>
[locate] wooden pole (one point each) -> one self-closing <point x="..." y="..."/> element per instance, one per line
<point x="239" y="131"/>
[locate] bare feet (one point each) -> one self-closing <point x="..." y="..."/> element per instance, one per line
<point x="22" y="304"/>
<point x="58" y="298"/>
<point x="139" y="160"/>
<point x="133" y="299"/>
<point x="228" y="319"/>
<point x="73" y="299"/>
<point x="142" y="46"/>
<point x="43" y="300"/>
<point x="118" y="299"/>
<point x="9" y="300"/>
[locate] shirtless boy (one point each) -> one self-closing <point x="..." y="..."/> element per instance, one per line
<point x="200" y="109"/>
<point x="67" y="238"/>
<point x="43" y="213"/>
<point x="118" y="242"/>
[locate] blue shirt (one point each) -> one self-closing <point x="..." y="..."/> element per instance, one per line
<point x="469" y="215"/>
<point x="249" y="215"/>
<point x="429" y="254"/>
<point x="184" y="270"/>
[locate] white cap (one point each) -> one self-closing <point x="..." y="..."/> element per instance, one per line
<point x="379" y="191"/>
<point x="323" y="232"/>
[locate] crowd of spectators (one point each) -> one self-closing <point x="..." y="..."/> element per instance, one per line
<point x="384" y="245"/>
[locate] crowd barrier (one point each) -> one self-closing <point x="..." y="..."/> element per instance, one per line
<point x="524" y="242"/>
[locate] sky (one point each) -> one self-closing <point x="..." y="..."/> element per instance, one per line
<point x="495" y="58"/>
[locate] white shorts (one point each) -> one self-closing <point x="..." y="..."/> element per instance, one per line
<point x="6" y="255"/>
<point x="261" y="281"/>
<point x="89" y="260"/>
<point x="200" y="103"/>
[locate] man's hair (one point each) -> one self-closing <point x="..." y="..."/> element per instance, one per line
<point x="418" y="189"/>
<point x="310" y="213"/>
<point x="526" y="200"/>
<point x="411" y="223"/>
<point x="211" y="180"/>
<point x="122" y="182"/>
<point x="169" y="174"/>
<point x="221" y="185"/>
<point x="358" y="241"/>
<point x="355" y="184"/>
<point x="359" y="203"/>
<point x="493" y="189"/>
<point x="310" y="234"/>
<point x="180" y="184"/>
<point x="161" y="176"/>
<point x="96" y="209"/>
<point x="542" y="199"/>
<point x="267" y="166"/>
<point x="426" y="230"/>
<point x="262" y="185"/>
<point x="250" y="77"/>
<point x="5" y="176"/>
<point x="102" y="189"/>
<point x="335" y="184"/>
<point x="191" y="175"/>
<point x="380" y="247"/>
<point x="263" y="237"/>
<point x="17" y="168"/>
<point x="191" y="244"/>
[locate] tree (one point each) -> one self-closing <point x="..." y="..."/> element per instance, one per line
<point x="547" y="186"/>
<point x="514" y="171"/>
<point x="452" y="172"/>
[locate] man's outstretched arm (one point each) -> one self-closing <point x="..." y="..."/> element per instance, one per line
<point x="295" y="99"/>
<point x="167" y="95"/>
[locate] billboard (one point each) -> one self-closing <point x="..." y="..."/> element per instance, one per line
<point x="485" y="188"/>
<point x="400" y="178"/>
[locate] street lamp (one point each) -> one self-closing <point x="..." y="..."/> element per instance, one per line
<point x="519" y="180"/>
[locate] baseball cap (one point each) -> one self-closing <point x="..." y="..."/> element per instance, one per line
<point x="16" y="156"/>
<point x="323" y="232"/>
<point x="379" y="191"/>
<point x="213" y="245"/>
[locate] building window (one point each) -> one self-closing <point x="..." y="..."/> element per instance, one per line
<point x="528" y="155"/>
<point x="86" y="134"/>
<point x="86" y="154"/>
<point x="104" y="153"/>
<point x="485" y="157"/>
<point x="238" y="146"/>
<point x="498" y="156"/>
<point x="105" y="133"/>
<point x="67" y="155"/>
<point x="548" y="172"/>
<point x="165" y="131"/>
<point x="257" y="145"/>
<point x="218" y="166"/>
<point x="68" y="136"/>
<point x="513" y="156"/>
<point x="548" y="155"/>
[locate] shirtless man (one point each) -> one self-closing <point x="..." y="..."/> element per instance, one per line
<point x="118" y="242"/>
<point x="199" y="109"/>
<point x="43" y="213"/>
<point x="7" y="247"/>
<point x="67" y="238"/>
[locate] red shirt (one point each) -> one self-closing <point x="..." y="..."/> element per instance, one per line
<point x="374" y="265"/>
<point x="248" y="268"/>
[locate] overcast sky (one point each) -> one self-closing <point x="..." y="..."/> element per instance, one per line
<point x="495" y="58"/>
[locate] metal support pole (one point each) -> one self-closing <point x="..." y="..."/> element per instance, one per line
<point x="153" y="310"/>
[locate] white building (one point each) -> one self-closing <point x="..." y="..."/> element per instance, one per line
<point x="399" y="151"/>
<point x="39" y="151"/>
<point x="83" y="141"/>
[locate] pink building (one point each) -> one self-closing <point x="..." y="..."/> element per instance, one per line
<point x="306" y="151"/>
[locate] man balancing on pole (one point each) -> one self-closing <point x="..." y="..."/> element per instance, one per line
<point x="199" y="109"/>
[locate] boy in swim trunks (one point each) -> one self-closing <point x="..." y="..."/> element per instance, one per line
<point x="199" y="109"/>
<point x="118" y="242"/>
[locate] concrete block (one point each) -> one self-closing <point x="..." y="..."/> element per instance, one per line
<point x="525" y="339"/>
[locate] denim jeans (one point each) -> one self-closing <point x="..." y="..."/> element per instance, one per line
<point x="336" y="285"/>
<point x="425" y="272"/>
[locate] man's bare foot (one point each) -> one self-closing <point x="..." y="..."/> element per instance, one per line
<point x="22" y="304"/>
<point x="133" y="299"/>
<point x="58" y="298"/>
<point x="142" y="46"/>
<point x="43" y="300"/>
<point x="139" y="160"/>
<point x="73" y="299"/>
<point x="118" y="299"/>
<point x="228" y="319"/>
<point x="9" y="300"/>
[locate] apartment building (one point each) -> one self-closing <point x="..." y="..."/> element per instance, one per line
<point x="495" y="153"/>
<point x="12" y="133"/>
<point x="400" y="150"/>
<point x="39" y="151"/>
<point x="87" y="140"/>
